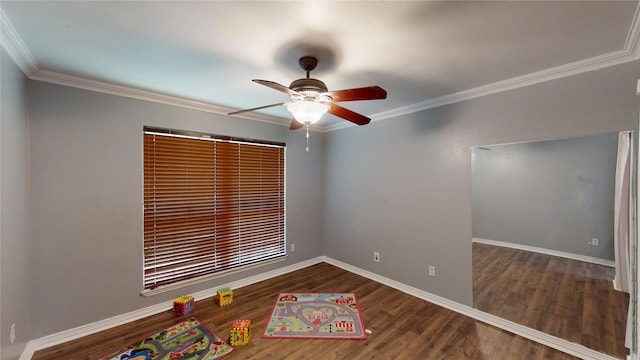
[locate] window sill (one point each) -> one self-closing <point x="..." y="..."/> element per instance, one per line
<point x="186" y="283"/>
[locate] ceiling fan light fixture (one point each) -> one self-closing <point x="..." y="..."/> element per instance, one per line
<point x="309" y="99"/>
<point x="307" y="111"/>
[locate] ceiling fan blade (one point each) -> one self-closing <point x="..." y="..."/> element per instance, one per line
<point x="347" y="114"/>
<point x="295" y="125"/>
<point x="275" y="85"/>
<point x="257" y="108"/>
<point x="364" y="93"/>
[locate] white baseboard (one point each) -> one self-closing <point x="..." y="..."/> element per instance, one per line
<point x="84" y="330"/>
<point x="528" y="333"/>
<point x="28" y="351"/>
<point x="514" y="328"/>
<point x="589" y="259"/>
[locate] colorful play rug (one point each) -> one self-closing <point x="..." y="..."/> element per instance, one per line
<point x="188" y="340"/>
<point x="316" y="316"/>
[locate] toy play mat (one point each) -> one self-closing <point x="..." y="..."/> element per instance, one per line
<point x="187" y="340"/>
<point x="316" y="316"/>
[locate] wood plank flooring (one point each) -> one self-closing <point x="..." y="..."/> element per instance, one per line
<point x="570" y="299"/>
<point x="403" y="327"/>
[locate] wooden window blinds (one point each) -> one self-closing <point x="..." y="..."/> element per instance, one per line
<point x="210" y="204"/>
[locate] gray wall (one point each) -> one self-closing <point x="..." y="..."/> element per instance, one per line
<point x="15" y="260"/>
<point x="555" y="195"/>
<point x="403" y="186"/>
<point x="86" y="200"/>
<point x="400" y="186"/>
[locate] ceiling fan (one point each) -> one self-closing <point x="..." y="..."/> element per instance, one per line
<point x="309" y="98"/>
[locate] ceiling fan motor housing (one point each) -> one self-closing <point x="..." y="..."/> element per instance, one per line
<point x="308" y="86"/>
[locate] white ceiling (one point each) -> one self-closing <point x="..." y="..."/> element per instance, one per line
<point x="204" y="54"/>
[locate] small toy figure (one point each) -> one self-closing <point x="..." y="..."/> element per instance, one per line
<point x="183" y="305"/>
<point x="240" y="331"/>
<point x="142" y="354"/>
<point x="225" y="296"/>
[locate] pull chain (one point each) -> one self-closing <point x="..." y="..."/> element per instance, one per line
<point x="307" y="136"/>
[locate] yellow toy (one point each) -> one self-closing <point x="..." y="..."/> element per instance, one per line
<point x="225" y="296"/>
<point x="183" y="305"/>
<point x="240" y="332"/>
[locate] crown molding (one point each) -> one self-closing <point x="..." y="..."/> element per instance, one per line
<point x="152" y="96"/>
<point x="139" y="94"/>
<point x="558" y="72"/>
<point x="19" y="52"/>
<point x="15" y="47"/>
<point x="574" y="68"/>
<point x="633" y="38"/>
<point x="631" y="52"/>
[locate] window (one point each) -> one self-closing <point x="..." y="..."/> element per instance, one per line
<point x="210" y="204"/>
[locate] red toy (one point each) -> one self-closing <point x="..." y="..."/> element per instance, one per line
<point x="183" y="305"/>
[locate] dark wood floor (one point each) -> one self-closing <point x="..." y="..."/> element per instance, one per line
<point x="403" y="327"/>
<point x="570" y="299"/>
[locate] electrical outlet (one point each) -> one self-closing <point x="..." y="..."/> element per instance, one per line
<point x="432" y="270"/>
<point x="595" y="242"/>
<point x="293" y="247"/>
<point x="12" y="333"/>
<point x="376" y="256"/>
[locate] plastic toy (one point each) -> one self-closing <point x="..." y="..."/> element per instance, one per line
<point x="183" y="305"/>
<point x="240" y="331"/>
<point x="225" y="296"/>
